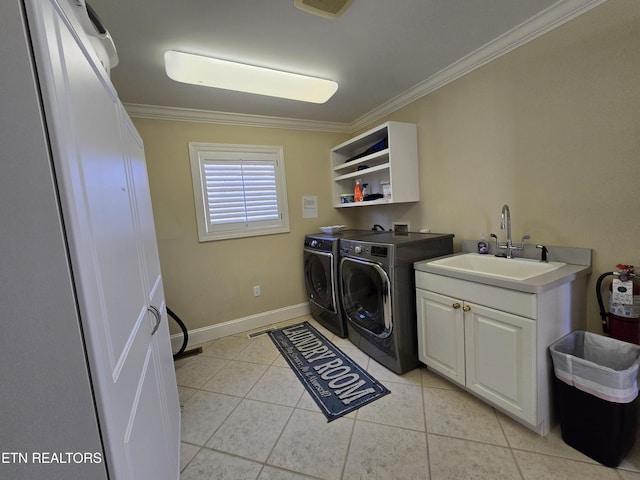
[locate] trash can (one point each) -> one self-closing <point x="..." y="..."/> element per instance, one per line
<point x="596" y="380"/>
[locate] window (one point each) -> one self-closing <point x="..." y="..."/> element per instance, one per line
<point x="239" y="190"/>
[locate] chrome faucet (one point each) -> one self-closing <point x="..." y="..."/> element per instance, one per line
<point x="506" y="213"/>
<point x="505" y="222"/>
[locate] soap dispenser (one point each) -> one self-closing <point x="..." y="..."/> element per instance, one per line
<point x="357" y="192"/>
<point x="483" y="246"/>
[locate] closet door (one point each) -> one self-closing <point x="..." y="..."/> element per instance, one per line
<point x="162" y="355"/>
<point x="110" y="247"/>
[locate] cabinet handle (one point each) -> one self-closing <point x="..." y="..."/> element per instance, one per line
<point x="456" y="305"/>
<point x="156" y="313"/>
<point x="466" y="308"/>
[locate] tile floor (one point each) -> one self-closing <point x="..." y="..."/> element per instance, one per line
<point x="246" y="416"/>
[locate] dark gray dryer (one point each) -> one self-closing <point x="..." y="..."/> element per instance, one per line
<point x="321" y="259"/>
<point x="378" y="293"/>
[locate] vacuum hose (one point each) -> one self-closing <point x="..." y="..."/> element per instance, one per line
<point x="603" y="313"/>
<point x="185" y="334"/>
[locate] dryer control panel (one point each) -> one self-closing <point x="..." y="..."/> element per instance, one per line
<point x="319" y="244"/>
<point x="355" y="248"/>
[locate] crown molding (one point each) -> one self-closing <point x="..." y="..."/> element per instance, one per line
<point x="550" y="18"/>
<point x="208" y="116"/>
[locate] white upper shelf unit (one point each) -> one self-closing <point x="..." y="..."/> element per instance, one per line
<point x="384" y="158"/>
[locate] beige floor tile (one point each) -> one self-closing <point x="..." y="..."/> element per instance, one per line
<point x="198" y="371"/>
<point x="208" y="464"/>
<point x="311" y="445"/>
<point x="280" y="362"/>
<point x="431" y="379"/>
<point x="541" y="467"/>
<point x="552" y="444"/>
<point x="306" y="402"/>
<point x="458" y="414"/>
<point x="184" y="393"/>
<point x="453" y="458"/>
<point x="629" y="475"/>
<point x="187" y="452"/>
<point x="358" y="356"/>
<point x="383" y="374"/>
<point x="342" y="343"/>
<point x="236" y="378"/>
<point x="467" y="439"/>
<point x="273" y="473"/>
<point x="227" y="347"/>
<point x="260" y="350"/>
<point x="203" y="413"/>
<point x="403" y="407"/>
<point x="277" y="385"/>
<point x="381" y="452"/>
<point x="180" y="362"/>
<point x="251" y="430"/>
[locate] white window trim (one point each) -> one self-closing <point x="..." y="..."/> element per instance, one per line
<point x="200" y="154"/>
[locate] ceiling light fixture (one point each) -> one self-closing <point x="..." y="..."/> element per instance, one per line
<point x="216" y="73"/>
<point x="324" y="8"/>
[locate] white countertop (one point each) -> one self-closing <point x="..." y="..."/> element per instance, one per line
<point x="537" y="284"/>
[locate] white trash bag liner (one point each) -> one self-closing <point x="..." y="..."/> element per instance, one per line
<point x="602" y="366"/>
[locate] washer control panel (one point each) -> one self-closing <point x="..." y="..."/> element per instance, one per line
<point x="356" y="248"/>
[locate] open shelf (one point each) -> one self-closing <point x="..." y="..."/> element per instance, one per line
<point x="393" y="160"/>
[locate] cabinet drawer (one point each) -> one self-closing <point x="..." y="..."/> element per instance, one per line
<point x="518" y="303"/>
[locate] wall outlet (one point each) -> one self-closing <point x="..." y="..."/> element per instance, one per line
<point x="256" y="291"/>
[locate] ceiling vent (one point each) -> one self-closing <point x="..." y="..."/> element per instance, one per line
<point x="324" y="8"/>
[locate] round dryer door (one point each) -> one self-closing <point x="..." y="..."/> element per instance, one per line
<point x="318" y="277"/>
<point x="366" y="296"/>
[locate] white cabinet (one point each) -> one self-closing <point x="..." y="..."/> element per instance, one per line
<point x="493" y="341"/>
<point x="385" y="157"/>
<point x="500" y="359"/>
<point x="441" y="334"/>
<point x="488" y="351"/>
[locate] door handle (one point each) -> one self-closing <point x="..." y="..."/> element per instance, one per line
<point x="456" y="305"/>
<point x="156" y="313"/>
<point x="466" y="308"/>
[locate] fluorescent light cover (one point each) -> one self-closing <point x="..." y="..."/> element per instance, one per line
<point x="212" y="72"/>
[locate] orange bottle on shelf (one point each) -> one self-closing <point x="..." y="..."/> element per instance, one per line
<point x="357" y="192"/>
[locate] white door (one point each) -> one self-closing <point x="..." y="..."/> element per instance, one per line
<point x="115" y="266"/>
<point x="501" y="359"/>
<point x="162" y="355"/>
<point x="441" y="334"/>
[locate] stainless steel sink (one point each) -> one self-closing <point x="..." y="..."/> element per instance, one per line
<point x="497" y="267"/>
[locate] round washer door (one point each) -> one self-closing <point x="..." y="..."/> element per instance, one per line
<point x="318" y="278"/>
<point x="366" y="296"/>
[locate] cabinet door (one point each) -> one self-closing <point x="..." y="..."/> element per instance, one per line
<point x="501" y="358"/>
<point x="441" y="334"/>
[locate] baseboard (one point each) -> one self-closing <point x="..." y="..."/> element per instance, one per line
<point x="259" y="320"/>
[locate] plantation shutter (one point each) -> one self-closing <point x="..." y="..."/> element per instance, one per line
<point x="239" y="190"/>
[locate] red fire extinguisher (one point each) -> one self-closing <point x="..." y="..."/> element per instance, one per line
<point x="623" y="320"/>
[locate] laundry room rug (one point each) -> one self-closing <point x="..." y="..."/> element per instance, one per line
<point x="336" y="383"/>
